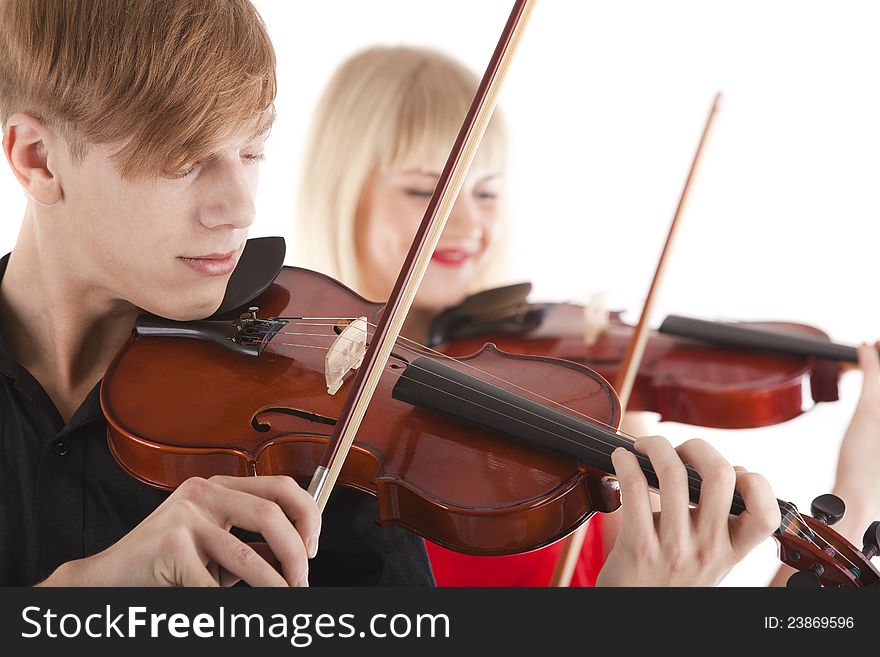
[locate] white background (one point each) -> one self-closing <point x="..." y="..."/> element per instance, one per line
<point x="605" y="103"/>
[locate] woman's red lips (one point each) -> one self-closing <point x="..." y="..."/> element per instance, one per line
<point x="451" y="257"/>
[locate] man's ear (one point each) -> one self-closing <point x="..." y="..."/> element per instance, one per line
<point x="25" y="143"/>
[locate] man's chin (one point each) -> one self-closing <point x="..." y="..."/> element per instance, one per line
<point x="186" y="310"/>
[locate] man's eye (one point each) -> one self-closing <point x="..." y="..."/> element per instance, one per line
<point x="180" y="173"/>
<point x="486" y="196"/>
<point x="253" y="157"/>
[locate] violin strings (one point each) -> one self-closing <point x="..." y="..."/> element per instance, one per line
<point x="560" y="405"/>
<point x="458" y="362"/>
<point x="806" y="532"/>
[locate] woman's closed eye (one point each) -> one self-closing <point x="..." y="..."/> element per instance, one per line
<point x="419" y="192"/>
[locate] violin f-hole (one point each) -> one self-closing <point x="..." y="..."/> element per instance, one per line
<point x="263" y="425"/>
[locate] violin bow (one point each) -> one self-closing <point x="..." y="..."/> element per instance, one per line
<point x="626" y="378"/>
<point x="416" y="263"/>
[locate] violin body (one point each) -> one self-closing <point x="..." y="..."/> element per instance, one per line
<point x="178" y="407"/>
<point x="683" y="380"/>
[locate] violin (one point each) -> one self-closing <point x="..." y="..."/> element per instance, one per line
<point x="469" y="453"/>
<point x="711" y="374"/>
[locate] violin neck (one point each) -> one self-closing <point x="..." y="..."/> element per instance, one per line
<point x="427" y="383"/>
<point x="749" y="337"/>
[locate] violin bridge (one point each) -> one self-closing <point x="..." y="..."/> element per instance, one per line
<point x="595" y="319"/>
<point x="346" y="353"/>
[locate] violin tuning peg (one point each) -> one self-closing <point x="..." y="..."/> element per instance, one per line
<point x="871" y="540"/>
<point x="804" y="579"/>
<point x="828" y="508"/>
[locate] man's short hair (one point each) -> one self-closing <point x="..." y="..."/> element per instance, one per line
<point x="172" y="79"/>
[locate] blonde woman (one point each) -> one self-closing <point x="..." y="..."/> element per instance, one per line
<point x="381" y="134"/>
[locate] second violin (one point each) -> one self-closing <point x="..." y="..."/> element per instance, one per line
<point x="711" y="374"/>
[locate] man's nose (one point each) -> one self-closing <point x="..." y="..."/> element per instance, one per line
<point x="231" y="196"/>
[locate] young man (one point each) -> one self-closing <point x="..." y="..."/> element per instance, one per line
<point x="135" y="128"/>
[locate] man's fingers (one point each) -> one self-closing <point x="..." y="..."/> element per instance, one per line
<point x="675" y="519"/>
<point x="228" y="579"/>
<point x="762" y="515"/>
<point x="189" y="568"/>
<point x="637" y="515"/>
<point x="246" y="502"/>
<point x="295" y="501"/>
<point x="236" y="557"/>
<point x="716" y="489"/>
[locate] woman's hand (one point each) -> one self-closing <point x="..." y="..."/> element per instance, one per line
<point x="186" y="540"/>
<point x="680" y="546"/>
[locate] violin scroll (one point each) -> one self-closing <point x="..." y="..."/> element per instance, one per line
<point x="821" y="556"/>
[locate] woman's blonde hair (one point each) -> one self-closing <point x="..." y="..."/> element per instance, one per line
<point x="385" y="107"/>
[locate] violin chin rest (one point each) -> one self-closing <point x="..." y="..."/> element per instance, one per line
<point x="259" y="265"/>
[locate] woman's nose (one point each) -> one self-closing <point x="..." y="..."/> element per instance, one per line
<point x="465" y="220"/>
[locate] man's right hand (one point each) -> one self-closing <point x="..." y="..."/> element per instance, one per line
<point x="678" y="545"/>
<point x="186" y="541"/>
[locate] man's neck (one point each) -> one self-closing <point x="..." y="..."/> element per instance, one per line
<point x="63" y="328"/>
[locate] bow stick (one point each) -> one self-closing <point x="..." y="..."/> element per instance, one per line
<point x="417" y="260"/>
<point x="626" y="378"/>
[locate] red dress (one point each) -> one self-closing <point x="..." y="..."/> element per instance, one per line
<point x="530" y="569"/>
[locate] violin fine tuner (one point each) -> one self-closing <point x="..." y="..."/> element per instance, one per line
<point x="252" y="332"/>
<point x="247" y="319"/>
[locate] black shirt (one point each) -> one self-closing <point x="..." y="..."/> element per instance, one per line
<point x="64" y="497"/>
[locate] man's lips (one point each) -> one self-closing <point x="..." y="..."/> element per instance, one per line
<point x="212" y="264"/>
<point x="212" y="256"/>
